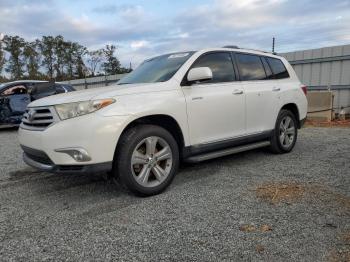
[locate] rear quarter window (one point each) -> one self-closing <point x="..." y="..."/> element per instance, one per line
<point x="278" y="69"/>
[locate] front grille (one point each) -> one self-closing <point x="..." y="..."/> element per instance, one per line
<point x="39" y="118"/>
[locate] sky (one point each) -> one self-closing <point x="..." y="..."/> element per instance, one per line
<point x="145" y="28"/>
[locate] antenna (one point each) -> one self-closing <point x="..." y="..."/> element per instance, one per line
<point x="273" y="45"/>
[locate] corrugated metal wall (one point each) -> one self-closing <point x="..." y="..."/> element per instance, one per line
<point x="325" y="68"/>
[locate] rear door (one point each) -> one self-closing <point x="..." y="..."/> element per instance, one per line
<point x="216" y="108"/>
<point x="261" y="94"/>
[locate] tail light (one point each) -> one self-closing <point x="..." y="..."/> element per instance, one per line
<point x="304" y="88"/>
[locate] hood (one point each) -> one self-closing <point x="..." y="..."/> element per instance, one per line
<point x="100" y="93"/>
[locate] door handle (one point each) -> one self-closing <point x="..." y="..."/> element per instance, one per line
<point x="237" y="92"/>
<point x="276" y="89"/>
<point x="197" y="98"/>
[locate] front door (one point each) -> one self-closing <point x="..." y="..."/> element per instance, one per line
<point x="216" y="108"/>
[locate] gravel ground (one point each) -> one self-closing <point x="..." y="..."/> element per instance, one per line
<point x="211" y="212"/>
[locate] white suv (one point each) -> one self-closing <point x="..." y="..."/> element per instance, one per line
<point x="189" y="106"/>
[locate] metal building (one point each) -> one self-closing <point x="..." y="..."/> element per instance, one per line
<point x="325" y="68"/>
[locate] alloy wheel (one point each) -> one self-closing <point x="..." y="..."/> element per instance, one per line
<point x="287" y="131"/>
<point x="151" y="161"/>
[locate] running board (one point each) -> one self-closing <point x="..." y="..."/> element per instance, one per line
<point x="225" y="152"/>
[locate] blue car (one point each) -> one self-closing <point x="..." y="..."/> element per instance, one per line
<point x="15" y="96"/>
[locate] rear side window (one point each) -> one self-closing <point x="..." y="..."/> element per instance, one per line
<point x="220" y="64"/>
<point x="278" y="68"/>
<point x="250" y="67"/>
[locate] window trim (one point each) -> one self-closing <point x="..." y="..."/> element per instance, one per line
<point x="184" y="81"/>
<point x="272" y="74"/>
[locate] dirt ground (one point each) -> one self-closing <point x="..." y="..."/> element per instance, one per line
<point x="253" y="206"/>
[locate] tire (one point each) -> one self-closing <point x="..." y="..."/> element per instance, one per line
<point x="285" y="135"/>
<point x="147" y="160"/>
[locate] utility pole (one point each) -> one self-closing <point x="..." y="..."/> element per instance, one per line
<point x="273" y="45"/>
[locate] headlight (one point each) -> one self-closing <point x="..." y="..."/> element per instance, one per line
<point x="66" y="111"/>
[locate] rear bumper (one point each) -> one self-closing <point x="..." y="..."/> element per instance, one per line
<point x="39" y="160"/>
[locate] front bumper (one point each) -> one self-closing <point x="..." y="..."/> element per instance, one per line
<point x="96" y="134"/>
<point x="52" y="168"/>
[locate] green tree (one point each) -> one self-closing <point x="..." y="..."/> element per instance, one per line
<point x="2" y="58"/>
<point x="59" y="50"/>
<point x="14" y="45"/>
<point x="68" y="59"/>
<point x="112" y="64"/>
<point x="47" y="49"/>
<point x="73" y="60"/>
<point x="79" y="52"/>
<point x="32" y="59"/>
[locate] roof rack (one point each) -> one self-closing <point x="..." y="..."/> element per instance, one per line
<point x="231" y="46"/>
<point x="236" y="47"/>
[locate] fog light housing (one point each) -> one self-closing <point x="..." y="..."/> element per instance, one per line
<point x="78" y="154"/>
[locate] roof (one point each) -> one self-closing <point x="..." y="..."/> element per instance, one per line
<point x="241" y="50"/>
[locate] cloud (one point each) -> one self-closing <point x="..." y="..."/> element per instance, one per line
<point x="253" y="23"/>
<point x="105" y="9"/>
<point x="128" y="13"/>
<point x="140" y="31"/>
<point x="139" y="44"/>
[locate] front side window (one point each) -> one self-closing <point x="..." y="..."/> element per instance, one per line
<point x="250" y="67"/>
<point x="220" y="64"/>
<point x="157" y="69"/>
<point x="278" y="68"/>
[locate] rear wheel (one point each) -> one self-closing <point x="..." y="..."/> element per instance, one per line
<point x="285" y="133"/>
<point x="147" y="159"/>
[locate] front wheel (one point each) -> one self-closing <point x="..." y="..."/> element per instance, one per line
<point x="147" y="159"/>
<point x="285" y="134"/>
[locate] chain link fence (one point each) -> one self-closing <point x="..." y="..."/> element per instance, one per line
<point x="92" y="82"/>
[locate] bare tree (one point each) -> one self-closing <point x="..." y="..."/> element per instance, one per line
<point x="95" y="58"/>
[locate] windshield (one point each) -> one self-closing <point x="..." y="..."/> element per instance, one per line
<point x="157" y="69"/>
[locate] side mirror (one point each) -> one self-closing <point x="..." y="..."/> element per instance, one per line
<point x="199" y="74"/>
